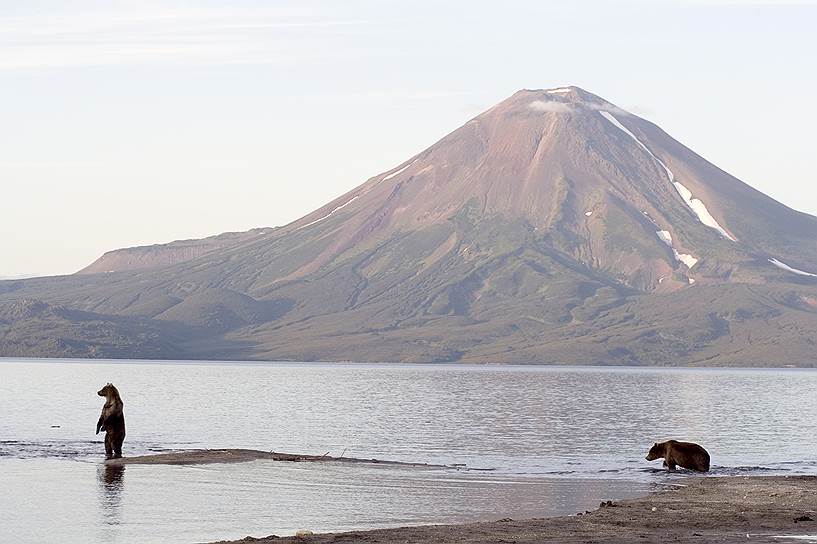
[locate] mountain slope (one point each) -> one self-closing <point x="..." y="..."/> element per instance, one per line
<point x="157" y="255"/>
<point x="554" y="227"/>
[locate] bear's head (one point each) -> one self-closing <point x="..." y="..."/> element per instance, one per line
<point x="108" y="390"/>
<point x="656" y="452"/>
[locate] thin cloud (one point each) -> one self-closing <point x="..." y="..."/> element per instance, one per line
<point x="771" y="3"/>
<point x="382" y="95"/>
<point x="160" y="37"/>
<point x="44" y="164"/>
<point x="552" y="107"/>
<point x="728" y="3"/>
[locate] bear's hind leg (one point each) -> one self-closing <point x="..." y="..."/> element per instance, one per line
<point x="117" y="446"/>
<point x="108" y="446"/>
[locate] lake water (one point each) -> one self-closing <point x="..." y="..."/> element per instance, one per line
<point x="551" y="440"/>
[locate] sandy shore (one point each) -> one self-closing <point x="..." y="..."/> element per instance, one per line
<point x="700" y="510"/>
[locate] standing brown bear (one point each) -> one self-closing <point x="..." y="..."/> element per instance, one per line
<point x="684" y="454"/>
<point x="112" y="420"/>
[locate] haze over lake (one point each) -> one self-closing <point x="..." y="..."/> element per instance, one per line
<point x="556" y="441"/>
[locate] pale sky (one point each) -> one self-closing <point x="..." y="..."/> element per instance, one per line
<point x="131" y="123"/>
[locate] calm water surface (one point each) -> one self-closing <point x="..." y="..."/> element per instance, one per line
<point x="554" y="441"/>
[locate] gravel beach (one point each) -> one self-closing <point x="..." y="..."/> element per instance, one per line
<point x="701" y="510"/>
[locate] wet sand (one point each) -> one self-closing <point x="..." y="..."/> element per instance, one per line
<point x="697" y="510"/>
<point x="203" y="457"/>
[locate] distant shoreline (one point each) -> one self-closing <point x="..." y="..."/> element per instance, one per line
<point x="386" y="364"/>
<point x="718" y="510"/>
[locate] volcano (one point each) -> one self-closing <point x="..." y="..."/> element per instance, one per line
<point x="555" y="227"/>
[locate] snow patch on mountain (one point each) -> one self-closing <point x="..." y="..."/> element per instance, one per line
<point x="328" y="214"/>
<point x="559" y="91"/>
<point x="610" y="117"/>
<point x="787" y="268"/>
<point x="697" y="206"/>
<point x="386" y="178"/>
<point x="685" y="258"/>
<point x="650" y="218"/>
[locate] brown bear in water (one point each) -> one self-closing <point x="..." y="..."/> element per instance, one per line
<point x="684" y="454"/>
<point x="112" y="420"/>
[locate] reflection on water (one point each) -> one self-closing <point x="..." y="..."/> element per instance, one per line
<point x="183" y="504"/>
<point x="558" y="440"/>
<point x="111" y="482"/>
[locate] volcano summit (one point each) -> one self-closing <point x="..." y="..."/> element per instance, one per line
<point x="553" y="228"/>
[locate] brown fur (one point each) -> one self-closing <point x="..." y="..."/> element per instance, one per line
<point x="112" y="420"/>
<point x="682" y="454"/>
